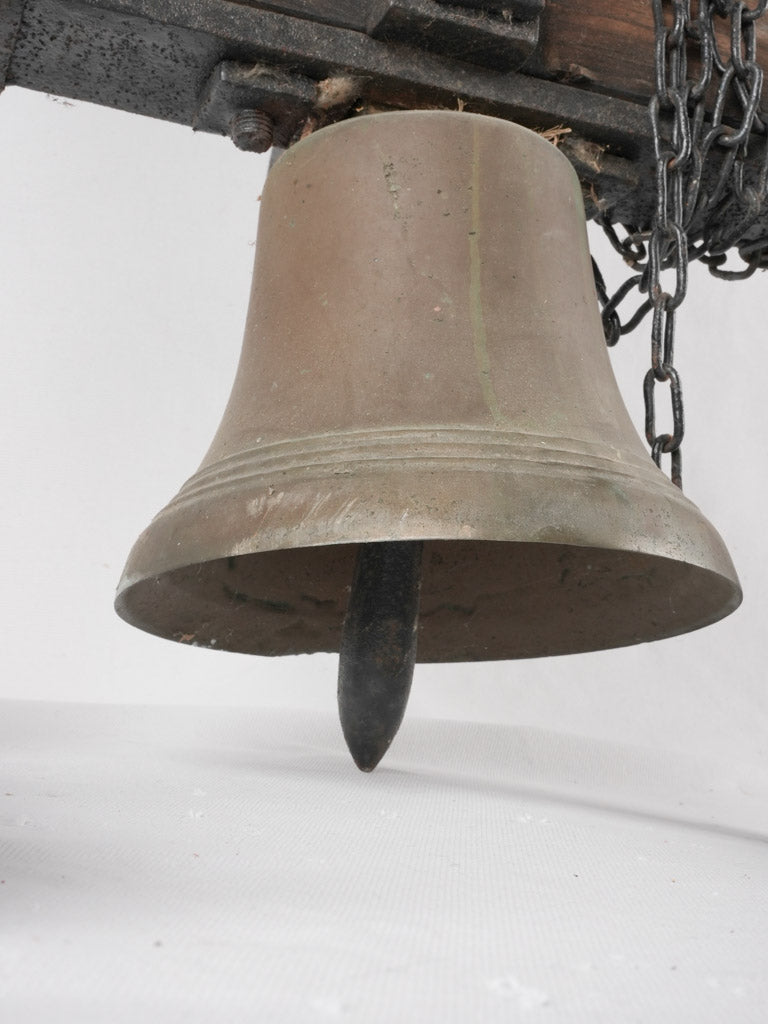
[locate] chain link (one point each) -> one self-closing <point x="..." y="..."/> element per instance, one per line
<point x="705" y="201"/>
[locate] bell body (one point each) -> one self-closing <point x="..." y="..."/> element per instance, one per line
<point x="424" y="360"/>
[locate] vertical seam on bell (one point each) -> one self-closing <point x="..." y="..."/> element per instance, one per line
<point x="479" y="337"/>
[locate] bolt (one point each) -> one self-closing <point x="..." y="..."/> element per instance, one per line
<point x="252" y="130"/>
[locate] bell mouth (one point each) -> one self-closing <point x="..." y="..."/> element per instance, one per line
<point x="480" y="600"/>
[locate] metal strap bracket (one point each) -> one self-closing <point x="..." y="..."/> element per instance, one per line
<point x="283" y="99"/>
<point x="477" y="32"/>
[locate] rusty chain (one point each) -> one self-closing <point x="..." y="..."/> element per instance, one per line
<point x="705" y="201"/>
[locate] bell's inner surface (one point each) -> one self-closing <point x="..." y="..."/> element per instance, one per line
<point x="480" y="600"/>
<point x="424" y="360"/>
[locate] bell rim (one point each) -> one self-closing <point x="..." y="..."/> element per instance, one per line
<point x="596" y="497"/>
<point x="169" y="550"/>
<point x="262" y="634"/>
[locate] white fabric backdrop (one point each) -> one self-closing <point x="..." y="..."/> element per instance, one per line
<point x="195" y="866"/>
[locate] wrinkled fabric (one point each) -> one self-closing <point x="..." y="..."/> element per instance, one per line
<point x="190" y="864"/>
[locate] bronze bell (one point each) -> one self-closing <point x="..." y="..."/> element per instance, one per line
<point x="424" y="362"/>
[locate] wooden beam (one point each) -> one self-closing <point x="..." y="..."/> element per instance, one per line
<point x="609" y="46"/>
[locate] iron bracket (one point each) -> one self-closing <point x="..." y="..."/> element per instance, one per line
<point x="523" y="10"/>
<point x="480" y="32"/>
<point x="233" y="87"/>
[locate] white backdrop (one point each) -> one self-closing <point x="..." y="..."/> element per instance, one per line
<point x="124" y="272"/>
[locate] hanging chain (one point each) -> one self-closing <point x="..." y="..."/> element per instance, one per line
<point x="705" y="200"/>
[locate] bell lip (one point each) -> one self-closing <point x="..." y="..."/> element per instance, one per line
<point x="131" y="576"/>
<point x="426" y="483"/>
<point x="589" y="509"/>
<point x="259" y="640"/>
<point x="636" y="516"/>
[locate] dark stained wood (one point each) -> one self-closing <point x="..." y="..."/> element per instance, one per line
<point x="599" y="43"/>
<point x="609" y="46"/>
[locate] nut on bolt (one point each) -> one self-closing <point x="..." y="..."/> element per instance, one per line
<point x="252" y="130"/>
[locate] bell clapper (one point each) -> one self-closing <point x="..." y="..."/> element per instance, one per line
<point x="378" y="647"/>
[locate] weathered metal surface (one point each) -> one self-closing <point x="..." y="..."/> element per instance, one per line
<point x="523" y="10"/>
<point x="346" y="13"/>
<point x="447" y="381"/>
<point x="492" y="40"/>
<point x="114" y="57"/>
<point x="286" y="99"/>
<point x="252" y="130"/>
<point x="378" y="647"/>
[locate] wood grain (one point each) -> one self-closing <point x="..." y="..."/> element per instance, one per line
<point x="609" y="47"/>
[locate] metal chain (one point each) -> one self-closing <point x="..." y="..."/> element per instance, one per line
<point x="668" y="244"/>
<point x="705" y="201"/>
